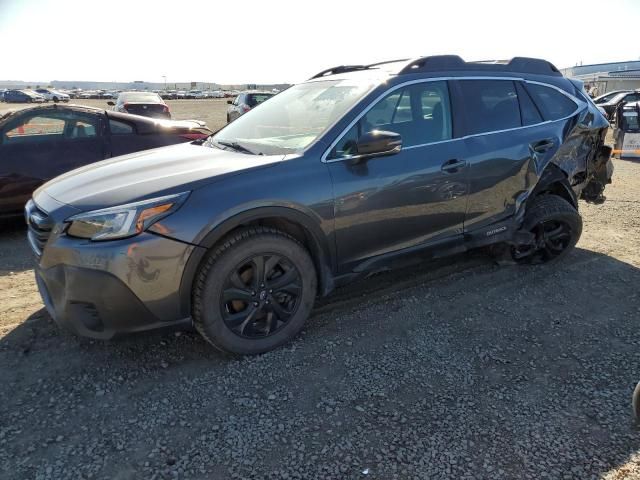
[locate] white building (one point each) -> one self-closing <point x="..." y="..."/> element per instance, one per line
<point x="606" y="77"/>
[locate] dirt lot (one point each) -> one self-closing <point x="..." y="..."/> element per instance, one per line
<point x="453" y="369"/>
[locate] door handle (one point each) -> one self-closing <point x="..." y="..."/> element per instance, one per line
<point x="453" y="165"/>
<point x="542" y="146"/>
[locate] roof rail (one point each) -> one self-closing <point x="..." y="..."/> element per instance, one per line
<point x="388" y="61"/>
<point x="441" y="63"/>
<point x="339" y="69"/>
<point x="437" y="63"/>
<point x="354" y="68"/>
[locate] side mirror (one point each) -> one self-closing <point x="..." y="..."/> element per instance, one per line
<point x="378" y="143"/>
<point x="229" y="102"/>
<point x="110" y="103"/>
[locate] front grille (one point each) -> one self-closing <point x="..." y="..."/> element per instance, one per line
<point x="40" y="226"/>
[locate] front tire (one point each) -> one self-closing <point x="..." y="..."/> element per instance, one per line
<point x="556" y="226"/>
<point x="254" y="291"/>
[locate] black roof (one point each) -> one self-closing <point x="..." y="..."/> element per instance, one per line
<point x="441" y="63"/>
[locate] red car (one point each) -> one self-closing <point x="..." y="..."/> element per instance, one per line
<point x="40" y="143"/>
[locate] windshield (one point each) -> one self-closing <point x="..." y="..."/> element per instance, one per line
<point x="295" y="118"/>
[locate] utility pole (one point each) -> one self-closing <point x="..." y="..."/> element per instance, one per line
<point x="165" y="81"/>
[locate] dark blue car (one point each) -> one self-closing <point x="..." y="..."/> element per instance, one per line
<point x="22" y="96"/>
<point x="345" y="174"/>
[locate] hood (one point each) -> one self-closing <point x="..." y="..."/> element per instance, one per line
<point x="149" y="173"/>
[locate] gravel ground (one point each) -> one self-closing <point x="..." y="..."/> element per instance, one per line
<point x="453" y="369"/>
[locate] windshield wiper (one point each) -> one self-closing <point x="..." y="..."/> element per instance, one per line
<point x="236" y="146"/>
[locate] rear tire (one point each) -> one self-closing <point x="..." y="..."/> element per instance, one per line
<point x="254" y="291"/>
<point x="557" y="227"/>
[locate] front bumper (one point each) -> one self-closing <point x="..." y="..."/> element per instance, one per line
<point x="99" y="289"/>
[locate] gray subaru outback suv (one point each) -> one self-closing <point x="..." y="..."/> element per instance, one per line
<point x="347" y="173"/>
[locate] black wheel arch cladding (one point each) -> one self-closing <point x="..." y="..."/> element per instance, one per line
<point x="281" y="218"/>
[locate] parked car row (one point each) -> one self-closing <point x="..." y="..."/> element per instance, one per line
<point x="191" y="94"/>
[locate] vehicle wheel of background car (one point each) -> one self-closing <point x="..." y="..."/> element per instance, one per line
<point x="557" y="227"/>
<point x="635" y="404"/>
<point x="254" y="291"/>
<point x="55" y="99"/>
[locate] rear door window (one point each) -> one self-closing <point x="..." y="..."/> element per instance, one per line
<point x="489" y="105"/>
<point x="552" y="104"/>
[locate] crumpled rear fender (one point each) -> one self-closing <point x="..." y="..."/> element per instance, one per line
<point x="579" y="168"/>
<point x="582" y="156"/>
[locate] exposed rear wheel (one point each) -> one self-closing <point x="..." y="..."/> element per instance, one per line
<point x="254" y="292"/>
<point x="556" y="227"/>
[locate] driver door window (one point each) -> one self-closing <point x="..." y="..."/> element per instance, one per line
<point x="420" y="113"/>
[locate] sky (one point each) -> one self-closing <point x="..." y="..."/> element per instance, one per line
<point x="277" y="41"/>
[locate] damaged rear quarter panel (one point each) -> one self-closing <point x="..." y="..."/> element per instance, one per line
<point x="505" y="169"/>
<point x="581" y="144"/>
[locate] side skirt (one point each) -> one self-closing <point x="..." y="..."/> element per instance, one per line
<point x="501" y="232"/>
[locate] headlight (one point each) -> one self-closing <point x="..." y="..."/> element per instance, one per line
<point x="124" y="220"/>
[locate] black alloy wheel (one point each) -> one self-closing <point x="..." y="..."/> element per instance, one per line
<point x="555" y="226"/>
<point x="261" y="295"/>
<point x="552" y="238"/>
<point x="254" y="291"/>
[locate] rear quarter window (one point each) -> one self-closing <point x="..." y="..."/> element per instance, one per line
<point x="552" y="104"/>
<point x="528" y="110"/>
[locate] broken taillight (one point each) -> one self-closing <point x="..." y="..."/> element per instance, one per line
<point x="194" y="136"/>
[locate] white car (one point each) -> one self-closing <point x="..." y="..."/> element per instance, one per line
<point x="196" y="94"/>
<point x="51" y="94"/>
